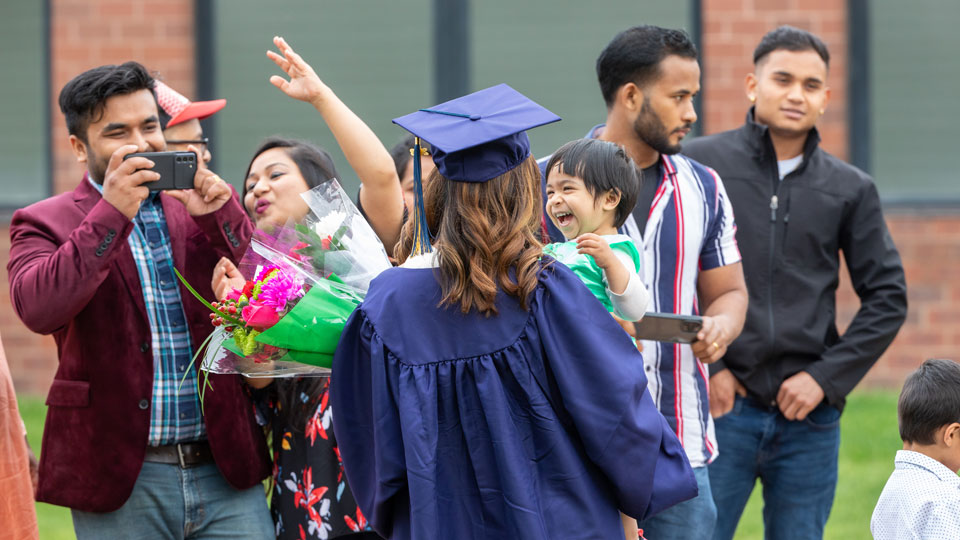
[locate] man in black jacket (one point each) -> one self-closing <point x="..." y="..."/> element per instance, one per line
<point x="778" y="392"/>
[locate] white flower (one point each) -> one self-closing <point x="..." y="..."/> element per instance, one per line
<point x="328" y="224"/>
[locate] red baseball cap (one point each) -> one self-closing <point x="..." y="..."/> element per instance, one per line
<point x="179" y="109"/>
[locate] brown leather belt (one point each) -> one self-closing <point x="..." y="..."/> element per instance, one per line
<point x="185" y="455"/>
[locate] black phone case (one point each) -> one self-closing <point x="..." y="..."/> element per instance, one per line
<point x="176" y="169"/>
<point x="669" y="327"/>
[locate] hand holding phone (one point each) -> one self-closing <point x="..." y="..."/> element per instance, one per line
<point x="712" y="340"/>
<point x="207" y="194"/>
<point x="669" y="327"/>
<point x="124" y="179"/>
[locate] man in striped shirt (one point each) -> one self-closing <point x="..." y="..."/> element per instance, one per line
<point x="684" y="223"/>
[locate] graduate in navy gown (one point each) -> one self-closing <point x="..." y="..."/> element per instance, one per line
<point x="481" y="391"/>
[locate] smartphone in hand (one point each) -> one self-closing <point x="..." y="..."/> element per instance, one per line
<point x="669" y="327"/>
<point x="176" y="169"/>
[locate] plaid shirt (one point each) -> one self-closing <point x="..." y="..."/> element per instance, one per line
<point x="175" y="412"/>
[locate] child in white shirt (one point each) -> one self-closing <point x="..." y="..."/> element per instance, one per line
<point x="922" y="497"/>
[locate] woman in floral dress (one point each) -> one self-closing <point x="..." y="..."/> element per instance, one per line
<point x="309" y="495"/>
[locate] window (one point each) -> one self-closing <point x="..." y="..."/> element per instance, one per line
<point x="24" y="143"/>
<point x="914" y="80"/>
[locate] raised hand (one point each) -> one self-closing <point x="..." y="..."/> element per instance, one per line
<point x="597" y="247"/>
<point x="304" y="84"/>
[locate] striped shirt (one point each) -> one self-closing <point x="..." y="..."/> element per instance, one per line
<point x="689" y="228"/>
<point x="175" y="412"/>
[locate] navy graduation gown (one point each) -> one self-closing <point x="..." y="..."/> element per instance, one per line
<point x="532" y="424"/>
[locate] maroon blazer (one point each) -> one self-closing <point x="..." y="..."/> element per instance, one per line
<point x="72" y="275"/>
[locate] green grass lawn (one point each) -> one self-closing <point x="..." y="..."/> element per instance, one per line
<point x="869" y="440"/>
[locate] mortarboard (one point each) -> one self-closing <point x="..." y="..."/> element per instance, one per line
<point x="475" y="138"/>
<point x="479" y="136"/>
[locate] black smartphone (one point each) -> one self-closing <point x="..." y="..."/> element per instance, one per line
<point x="176" y="169"/>
<point x="669" y="327"/>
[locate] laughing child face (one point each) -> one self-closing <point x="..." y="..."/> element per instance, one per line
<point x="575" y="210"/>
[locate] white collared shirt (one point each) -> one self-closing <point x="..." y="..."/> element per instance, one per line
<point x="920" y="501"/>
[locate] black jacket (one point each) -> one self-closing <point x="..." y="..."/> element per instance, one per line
<point x="791" y="234"/>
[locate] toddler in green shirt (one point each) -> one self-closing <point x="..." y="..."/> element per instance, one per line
<point x="592" y="186"/>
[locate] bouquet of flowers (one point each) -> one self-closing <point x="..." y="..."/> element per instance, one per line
<point x="307" y="279"/>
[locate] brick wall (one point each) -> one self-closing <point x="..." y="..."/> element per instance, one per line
<point x="86" y="34"/>
<point x="930" y="248"/>
<point x="90" y="33"/>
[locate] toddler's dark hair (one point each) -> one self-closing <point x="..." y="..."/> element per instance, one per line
<point x="602" y="166"/>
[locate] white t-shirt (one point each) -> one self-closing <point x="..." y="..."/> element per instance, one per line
<point x="787" y="166"/>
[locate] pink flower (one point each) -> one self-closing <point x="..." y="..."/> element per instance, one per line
<point x="325" y="242"/>
<point x="280" y="289"/>
<point x="233" y="295"/>
<point x="260" y="317"/>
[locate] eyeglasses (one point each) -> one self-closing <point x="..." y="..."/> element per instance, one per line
<point x="205" y="142"/>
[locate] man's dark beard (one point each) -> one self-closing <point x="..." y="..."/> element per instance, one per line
<point x="651" y="130"/>
<point x="96" y="166"/>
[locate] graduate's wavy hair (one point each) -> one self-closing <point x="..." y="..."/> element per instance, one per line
<point x="487" y="236"/>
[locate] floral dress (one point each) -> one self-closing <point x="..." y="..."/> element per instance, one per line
<point x="310" y="497"/>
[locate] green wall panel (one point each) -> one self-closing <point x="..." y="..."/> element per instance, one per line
<point x="377" y="56"/>
<point x="23" y="140"/>
<point x="374" y="54"/>
<point x="548" y="50"/>
<point x="914" y="83"/>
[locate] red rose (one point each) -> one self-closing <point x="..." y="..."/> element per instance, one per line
<point x="294" y="251"/>
<point x="248" y="289"/>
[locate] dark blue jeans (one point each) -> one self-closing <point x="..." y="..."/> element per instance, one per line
<point x="796" y="461"/>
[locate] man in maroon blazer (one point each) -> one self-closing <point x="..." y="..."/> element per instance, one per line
<point x="125" y="446"/>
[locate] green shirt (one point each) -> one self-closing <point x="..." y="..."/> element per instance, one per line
<point x="586" y="268"/>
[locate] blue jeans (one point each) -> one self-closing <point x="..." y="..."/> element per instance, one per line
<point x="796" y="461"/>
<point x="173" y="503"/>
<point x="689" y="520"/>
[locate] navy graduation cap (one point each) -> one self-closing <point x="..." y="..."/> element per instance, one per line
<point x="479" y="136"/>
<point x="475" y="138"/>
